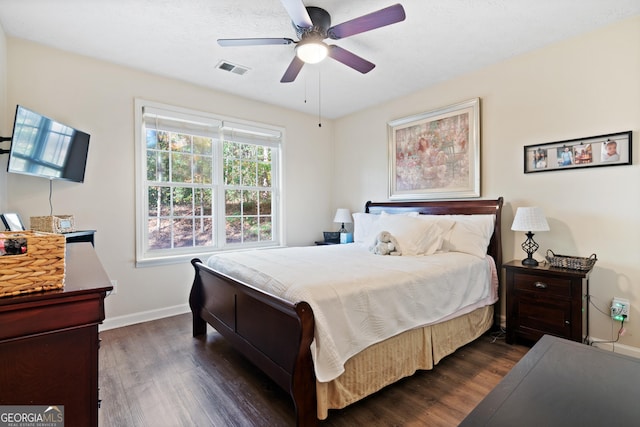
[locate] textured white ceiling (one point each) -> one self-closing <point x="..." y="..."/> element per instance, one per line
<point x="440" y="39"/>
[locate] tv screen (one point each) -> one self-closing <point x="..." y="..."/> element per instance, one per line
<point x="43" y="147"/>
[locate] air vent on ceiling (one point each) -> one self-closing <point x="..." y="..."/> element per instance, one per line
<point x="232" y="68"/>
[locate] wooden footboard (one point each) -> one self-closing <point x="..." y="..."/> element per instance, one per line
<point x="278" y="343"/>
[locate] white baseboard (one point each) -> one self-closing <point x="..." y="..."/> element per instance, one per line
<point x="144" y="316"/>
<point x="627" y="350"/>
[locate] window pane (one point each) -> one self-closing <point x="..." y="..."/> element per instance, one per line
<point x="181" y="167"/>
<point x="233" y="230"/>
<point x="202" y="169"/>
<point x="265" y="228"/>
<point x="182" y="201"/>
<point x="203" y="201"/>
<point x="249" y="151"/>
<point x="152" y="165"/>
<point x="264" y="174"/>
<point x="159" y="201"/>
<point x="250" y="202"/>
<point x="202" y="145"/>
<point x="152" y="139"/>
<point x="231" y="150"/>
<point x="159" y="233"/>
<point x="204" y="231"/>
<point x="162" y="167"/>
<point x="183" y="232"/>
<point x="250" y="229"/>
<point x="265" y="202"/>
<point x="232" y="172"/>
<point x="233" y="202"/>
<point x="180" y="142"/>
<point x="248" y="173"/>
<point x="163" y="140"/>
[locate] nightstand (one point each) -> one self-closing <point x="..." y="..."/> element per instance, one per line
<point x="546" y="300"/>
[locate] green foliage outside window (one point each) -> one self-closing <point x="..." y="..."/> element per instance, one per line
<point x="181" y="191"/>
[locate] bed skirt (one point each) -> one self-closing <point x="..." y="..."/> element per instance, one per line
<point x="399" y="357"/>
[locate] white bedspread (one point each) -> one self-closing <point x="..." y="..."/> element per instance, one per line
<point x="359" y="298"/>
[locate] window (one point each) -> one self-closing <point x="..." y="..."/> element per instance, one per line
<point x="204" y="183"/>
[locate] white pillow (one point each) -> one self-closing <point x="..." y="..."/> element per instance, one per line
<point x="362" y="225"/>
<point x="470" y="234"/>
<point x="365" y="227"/>
<point x="443" y="223"/>
<point x="414" y="236"/>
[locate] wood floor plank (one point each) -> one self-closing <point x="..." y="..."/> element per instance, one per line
<point x="156" y="374"/>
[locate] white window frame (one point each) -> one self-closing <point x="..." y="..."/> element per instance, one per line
<point x="270" y="135"/>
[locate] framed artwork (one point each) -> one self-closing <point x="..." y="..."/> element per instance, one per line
<point x="436" y="154"/>
<point x="603" y="150"/>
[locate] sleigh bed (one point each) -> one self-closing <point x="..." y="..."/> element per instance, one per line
<point x="281" y="336"/>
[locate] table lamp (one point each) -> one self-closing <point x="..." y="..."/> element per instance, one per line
<point x="342" y="216"/>
<point x="529" y="219"/>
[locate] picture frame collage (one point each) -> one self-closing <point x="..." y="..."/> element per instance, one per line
<point x="602" y="150"/>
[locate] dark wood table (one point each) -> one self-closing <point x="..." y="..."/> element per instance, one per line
<point x="80" y="236"/>
<point x="49" y="341"/>
<point x="564" y="383"/>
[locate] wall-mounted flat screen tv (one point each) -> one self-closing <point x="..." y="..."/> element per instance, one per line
<point x="43" y="147"/>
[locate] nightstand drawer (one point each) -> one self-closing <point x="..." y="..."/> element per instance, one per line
<point x="547" y="284"/>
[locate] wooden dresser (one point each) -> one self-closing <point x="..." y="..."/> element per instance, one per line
<point x="49" y="341"/>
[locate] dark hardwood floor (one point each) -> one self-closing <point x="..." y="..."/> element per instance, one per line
<point x="156" y="374"/>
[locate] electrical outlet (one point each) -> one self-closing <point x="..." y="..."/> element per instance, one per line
<point x="620" y="309"/>
<point x="114" y="283"/>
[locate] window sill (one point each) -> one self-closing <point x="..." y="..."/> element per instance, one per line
<point x="186" y="258"/>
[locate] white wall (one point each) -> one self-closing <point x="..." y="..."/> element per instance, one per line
<point x="5" y="129"/>
<point x="98" y="97"/>
<point x="582" y="87"/>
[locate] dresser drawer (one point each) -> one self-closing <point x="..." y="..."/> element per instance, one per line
<point x="547" y="284"/>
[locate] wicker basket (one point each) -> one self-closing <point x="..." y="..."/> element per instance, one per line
<point x="331" y="236"/>
<point x="39" y="268"/>
<point x="53" y="224"/>
<point x="571" y="262"/>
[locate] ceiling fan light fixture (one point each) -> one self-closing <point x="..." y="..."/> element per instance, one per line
<point x="312" y="52"/>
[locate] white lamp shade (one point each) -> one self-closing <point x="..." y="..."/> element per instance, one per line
<point x="342" y="216"/>
<point x="530" y="219"/>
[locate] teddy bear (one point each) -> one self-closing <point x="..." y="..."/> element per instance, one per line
<point x="385" y="244"/>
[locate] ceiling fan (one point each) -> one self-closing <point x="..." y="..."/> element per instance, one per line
<point x="312" y="26"/>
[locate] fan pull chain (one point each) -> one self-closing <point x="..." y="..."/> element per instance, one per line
<point x="319" y="101"/>
<point x="306" y="82"/>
